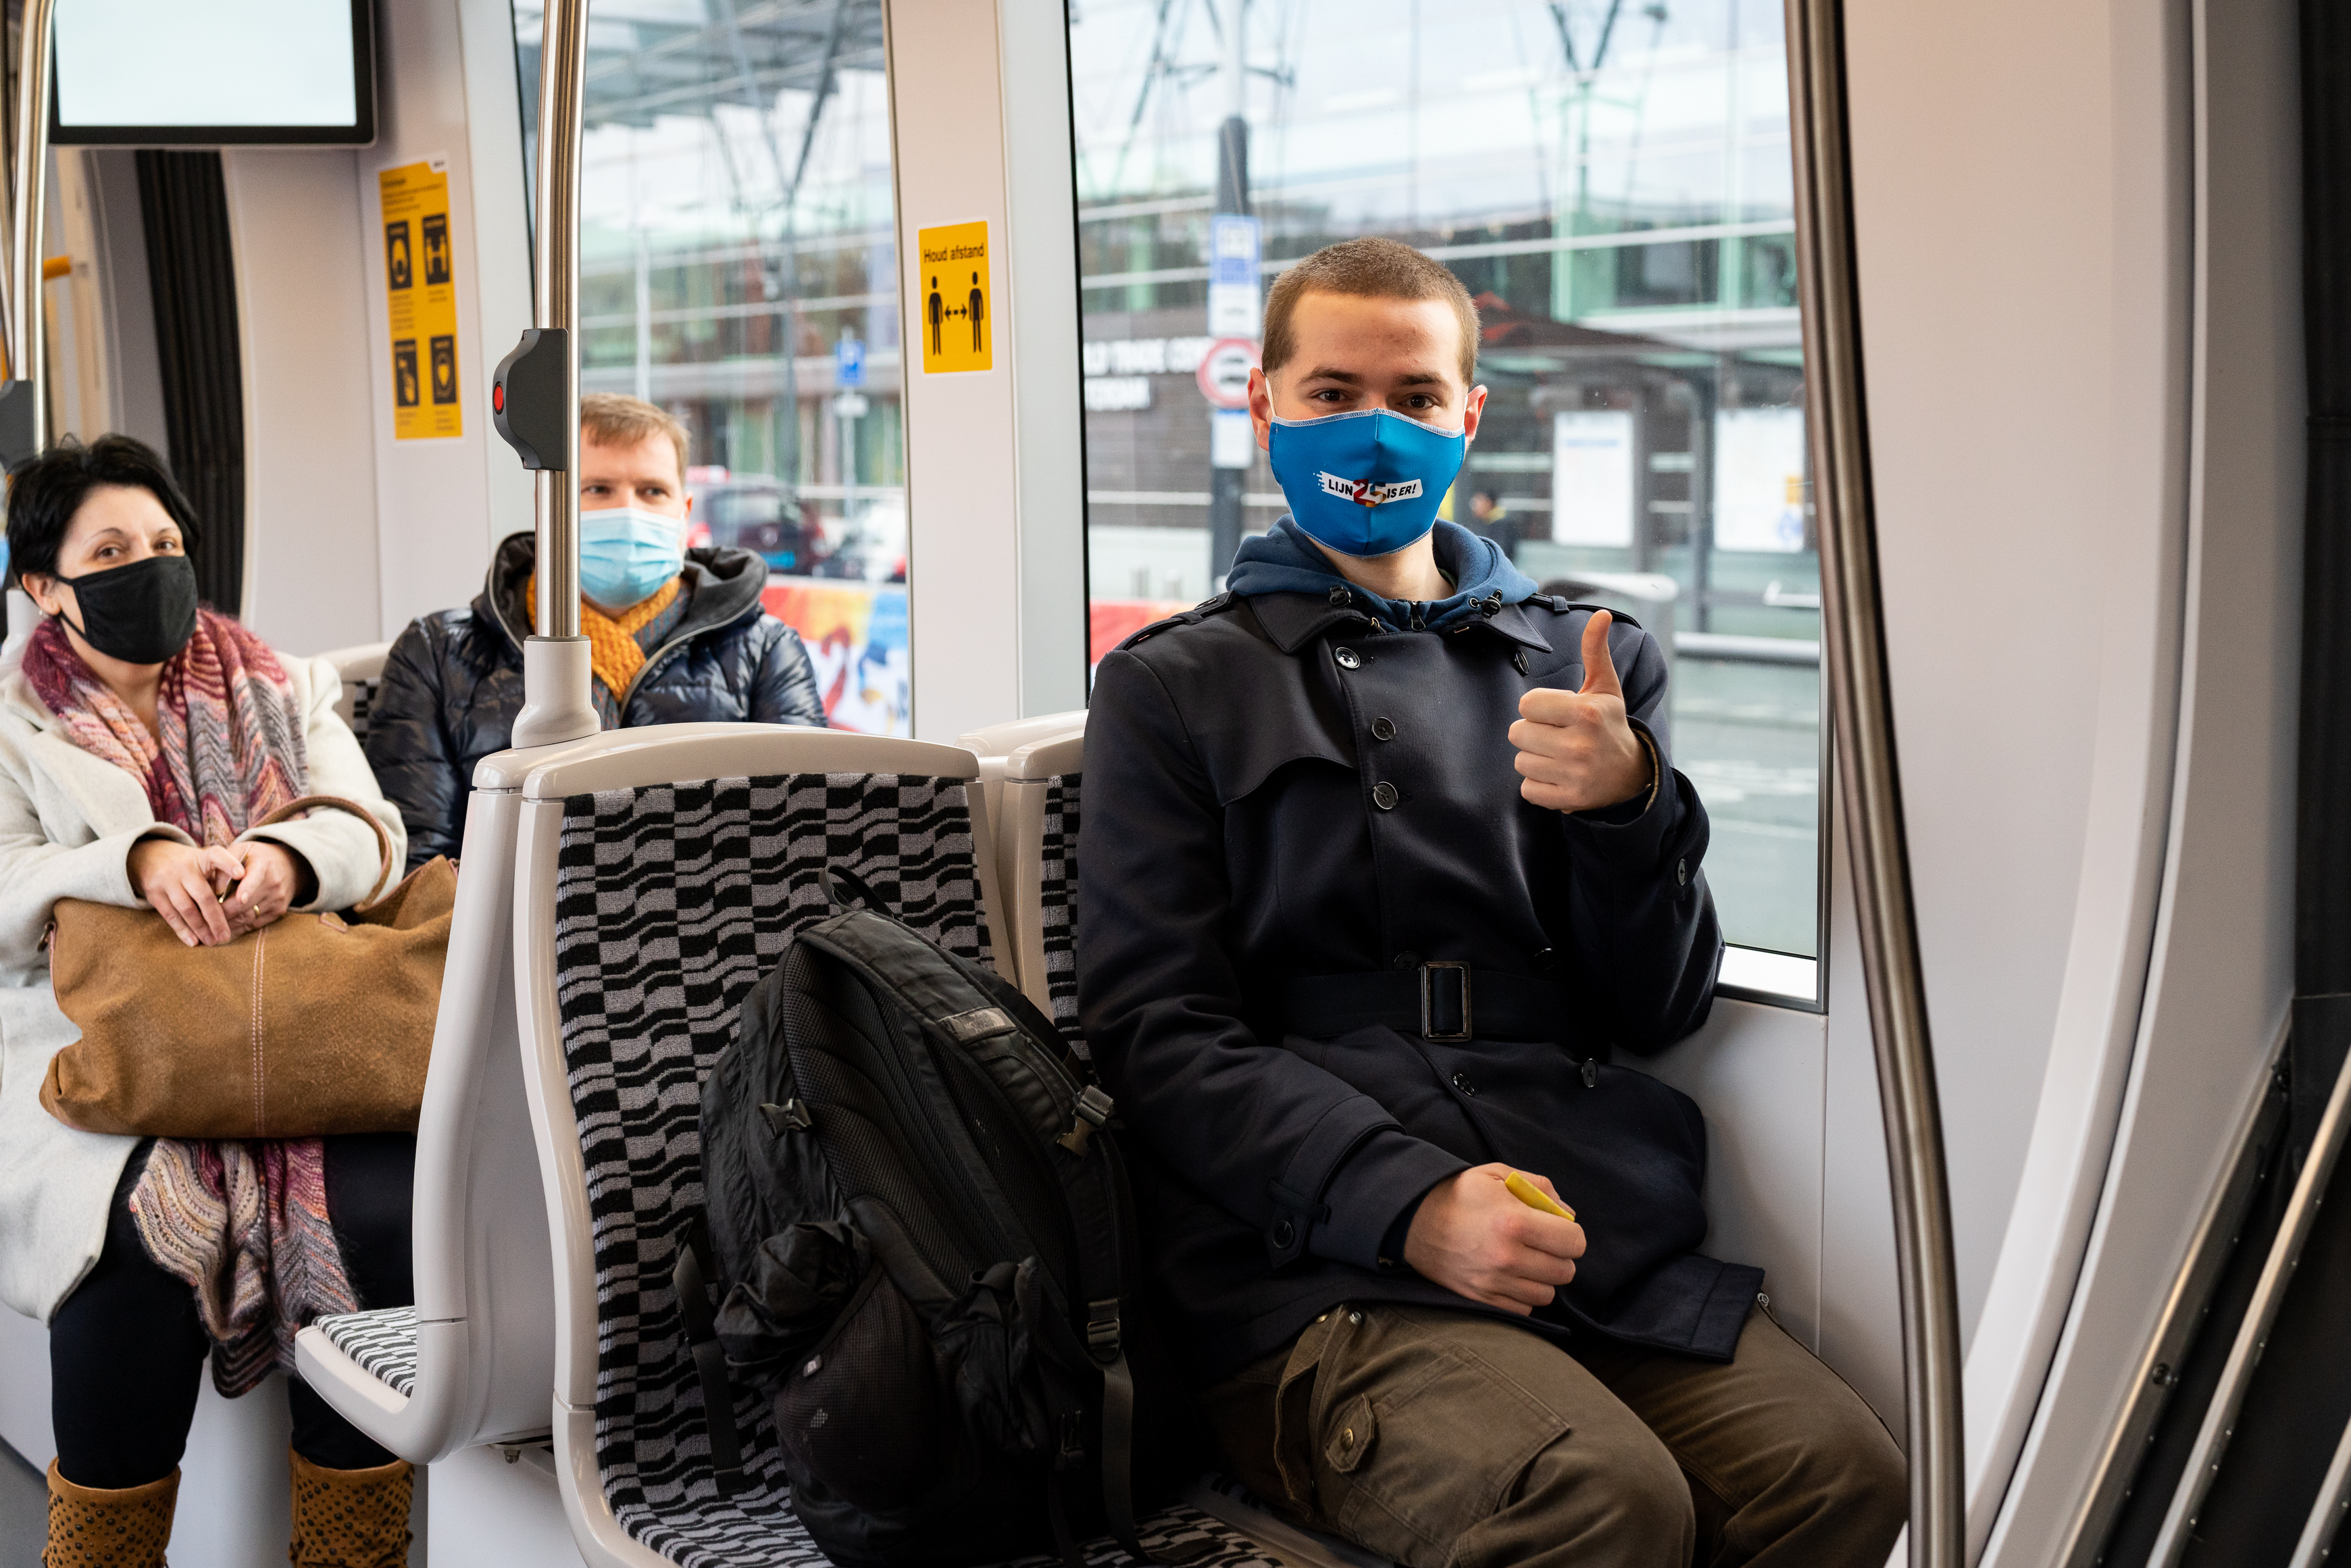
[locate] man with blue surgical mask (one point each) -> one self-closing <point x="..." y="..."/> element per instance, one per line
<point x="1385" y="867"/>
<point x="675" y="634"/>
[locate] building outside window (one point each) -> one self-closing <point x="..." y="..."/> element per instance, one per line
<point x="1612" y="182"/>
<point x="738" y="267"/>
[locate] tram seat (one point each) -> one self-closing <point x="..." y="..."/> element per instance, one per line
<point x="472" y="1360"/>
<point x="361" y="670"/>
<point x="658" y="879"/>
<point x="1037" y="825"/>
<point x="994" y="746"/>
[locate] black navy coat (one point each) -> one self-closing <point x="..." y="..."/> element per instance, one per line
<point x="1234" y="836"/>
<point x="453" y="682"/>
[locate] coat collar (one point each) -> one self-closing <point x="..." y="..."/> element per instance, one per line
<point x="1294" y="620"/>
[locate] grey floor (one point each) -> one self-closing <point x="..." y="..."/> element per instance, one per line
<point x="24" y="1511"/>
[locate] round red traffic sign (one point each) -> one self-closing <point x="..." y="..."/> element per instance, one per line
<point x="1225" y="371"/>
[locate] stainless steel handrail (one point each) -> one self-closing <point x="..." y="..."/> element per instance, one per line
<point x="556" y="675"/>
<point x="28" y="188"/>
<point x="1861" y="702"/>
<point x="562" y="86"/>
<point x="2325" y="1521"/>
<point x="2203" y="1467"/>
<point x="2211" y="1241"/>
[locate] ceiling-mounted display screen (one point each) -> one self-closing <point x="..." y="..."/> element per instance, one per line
<point x="177" y="73"/>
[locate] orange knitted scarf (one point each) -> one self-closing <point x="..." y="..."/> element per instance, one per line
<point x="612" y="651"/>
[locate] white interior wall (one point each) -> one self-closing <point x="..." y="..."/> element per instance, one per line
<point x="304" y="319"/>
<point x="443" y="505"/>
<point x="2019" y="214"/>
<point x="2220" y="976"/>
<point x="351" y="533"/>
<point x="996" y="581"/>
<point x="2079" y="307"/>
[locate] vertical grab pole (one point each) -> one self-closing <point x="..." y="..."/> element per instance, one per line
<point x="1853" y="639"/>
<point x="24" y="399"/>
<point x="534" y="396"/>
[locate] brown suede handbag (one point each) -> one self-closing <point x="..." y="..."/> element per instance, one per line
<point x="312" y="1025"/>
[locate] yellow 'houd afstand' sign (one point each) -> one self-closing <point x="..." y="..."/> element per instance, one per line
<point x="420" y="275"/>
<point x="951" y="310"/>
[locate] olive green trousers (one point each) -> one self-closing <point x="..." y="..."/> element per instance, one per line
<point x="1443" y="1439"/>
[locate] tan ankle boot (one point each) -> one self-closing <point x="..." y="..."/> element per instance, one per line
<point x="350" y="1519"/>
<point x="93" y="1527"/>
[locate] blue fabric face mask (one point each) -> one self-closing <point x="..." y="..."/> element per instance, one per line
<point x="626" y="554"/>
<point x="1367" y="482"/>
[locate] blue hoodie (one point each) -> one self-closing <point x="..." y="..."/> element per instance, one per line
<point x="1286" y="562"/>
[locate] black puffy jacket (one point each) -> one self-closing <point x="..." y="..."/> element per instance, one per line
<point x="453" y="682"/>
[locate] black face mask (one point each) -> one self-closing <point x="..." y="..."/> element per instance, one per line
<point x="141" y="613"/>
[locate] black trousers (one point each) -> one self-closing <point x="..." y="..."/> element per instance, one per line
<point x="127" y="1350"/>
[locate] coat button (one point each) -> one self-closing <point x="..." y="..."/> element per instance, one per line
<point x="1405" y="961"/>
<point x="1519" y="660"/>
<point x="1338" y="596"/>
<point x="1461" y="1081"/>
<point x="1383" y="729"/>
<point x="1384" y="795"/>
<point x="1349" y="659"/>
<point x="1681" y="873"/>
<point x="1284" y="1233"/>
<point x="1547" y="960"/>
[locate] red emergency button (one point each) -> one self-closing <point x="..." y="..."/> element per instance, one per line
<point x="498" y="397"/>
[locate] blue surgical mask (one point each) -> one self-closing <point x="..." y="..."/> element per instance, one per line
<point x="627" y="553"/>
<point x="1367" y="482"/>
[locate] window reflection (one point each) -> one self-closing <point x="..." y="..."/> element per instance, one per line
<point x="737" y="266"/>
<point x="1612" y="182"/>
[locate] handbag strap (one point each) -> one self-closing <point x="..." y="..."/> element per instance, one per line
<point x="382" y="839"/>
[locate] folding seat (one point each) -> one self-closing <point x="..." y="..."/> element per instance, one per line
<point x="472" y="1360"/>
<point x="659" y="876"/>
<point x="361" y="669"/>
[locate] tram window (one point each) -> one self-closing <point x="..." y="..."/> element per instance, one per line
<point x="1614" y="186"/>
<point x="739" y="268"/>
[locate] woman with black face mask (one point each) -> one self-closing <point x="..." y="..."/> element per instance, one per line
<point x="141" y="738"/>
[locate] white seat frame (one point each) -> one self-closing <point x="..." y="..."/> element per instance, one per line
<point x="631" y="760"/>
<point x="363" y="662"/>
<point x="485" y="1337"/>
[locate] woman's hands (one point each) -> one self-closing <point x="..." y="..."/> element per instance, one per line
<point x="190" y="887"/>
<point x="272" y="883"/>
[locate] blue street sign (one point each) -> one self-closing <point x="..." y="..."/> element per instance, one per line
<point x="1233" y="249"/>
<point x="848" y="363"/>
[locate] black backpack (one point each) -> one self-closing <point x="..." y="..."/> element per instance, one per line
<point x="924" y="1245"/>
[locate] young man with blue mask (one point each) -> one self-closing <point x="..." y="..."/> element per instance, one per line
<point x="1385" y="863"/>
<point x="675" y="634"/>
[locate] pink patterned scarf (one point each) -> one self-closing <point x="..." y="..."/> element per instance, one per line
<point x="244" y="1223"/>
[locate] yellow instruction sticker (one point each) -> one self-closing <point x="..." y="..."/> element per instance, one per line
<point x="420" y="269"/>
<point x="952" y="309"/>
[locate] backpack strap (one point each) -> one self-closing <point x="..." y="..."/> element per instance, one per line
<point x="1090" y="1186"/>
<point x="690" y="1276"/>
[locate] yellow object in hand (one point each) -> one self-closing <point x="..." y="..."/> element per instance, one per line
<point x="1533" y="1196"/>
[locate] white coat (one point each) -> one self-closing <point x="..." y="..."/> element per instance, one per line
<point x="67" y="819"/>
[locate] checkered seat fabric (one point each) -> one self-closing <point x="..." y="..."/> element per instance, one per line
<point x="364" y="695"/>
<point x="1058" y="901"/>
<point x="382" y="1343"/>
<point x="672" y="902"/>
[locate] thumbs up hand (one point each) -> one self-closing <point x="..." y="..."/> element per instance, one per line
<point x="1576" y="750"/>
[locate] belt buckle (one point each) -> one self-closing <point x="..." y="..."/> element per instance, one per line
<point x="1428" y="1030"/>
